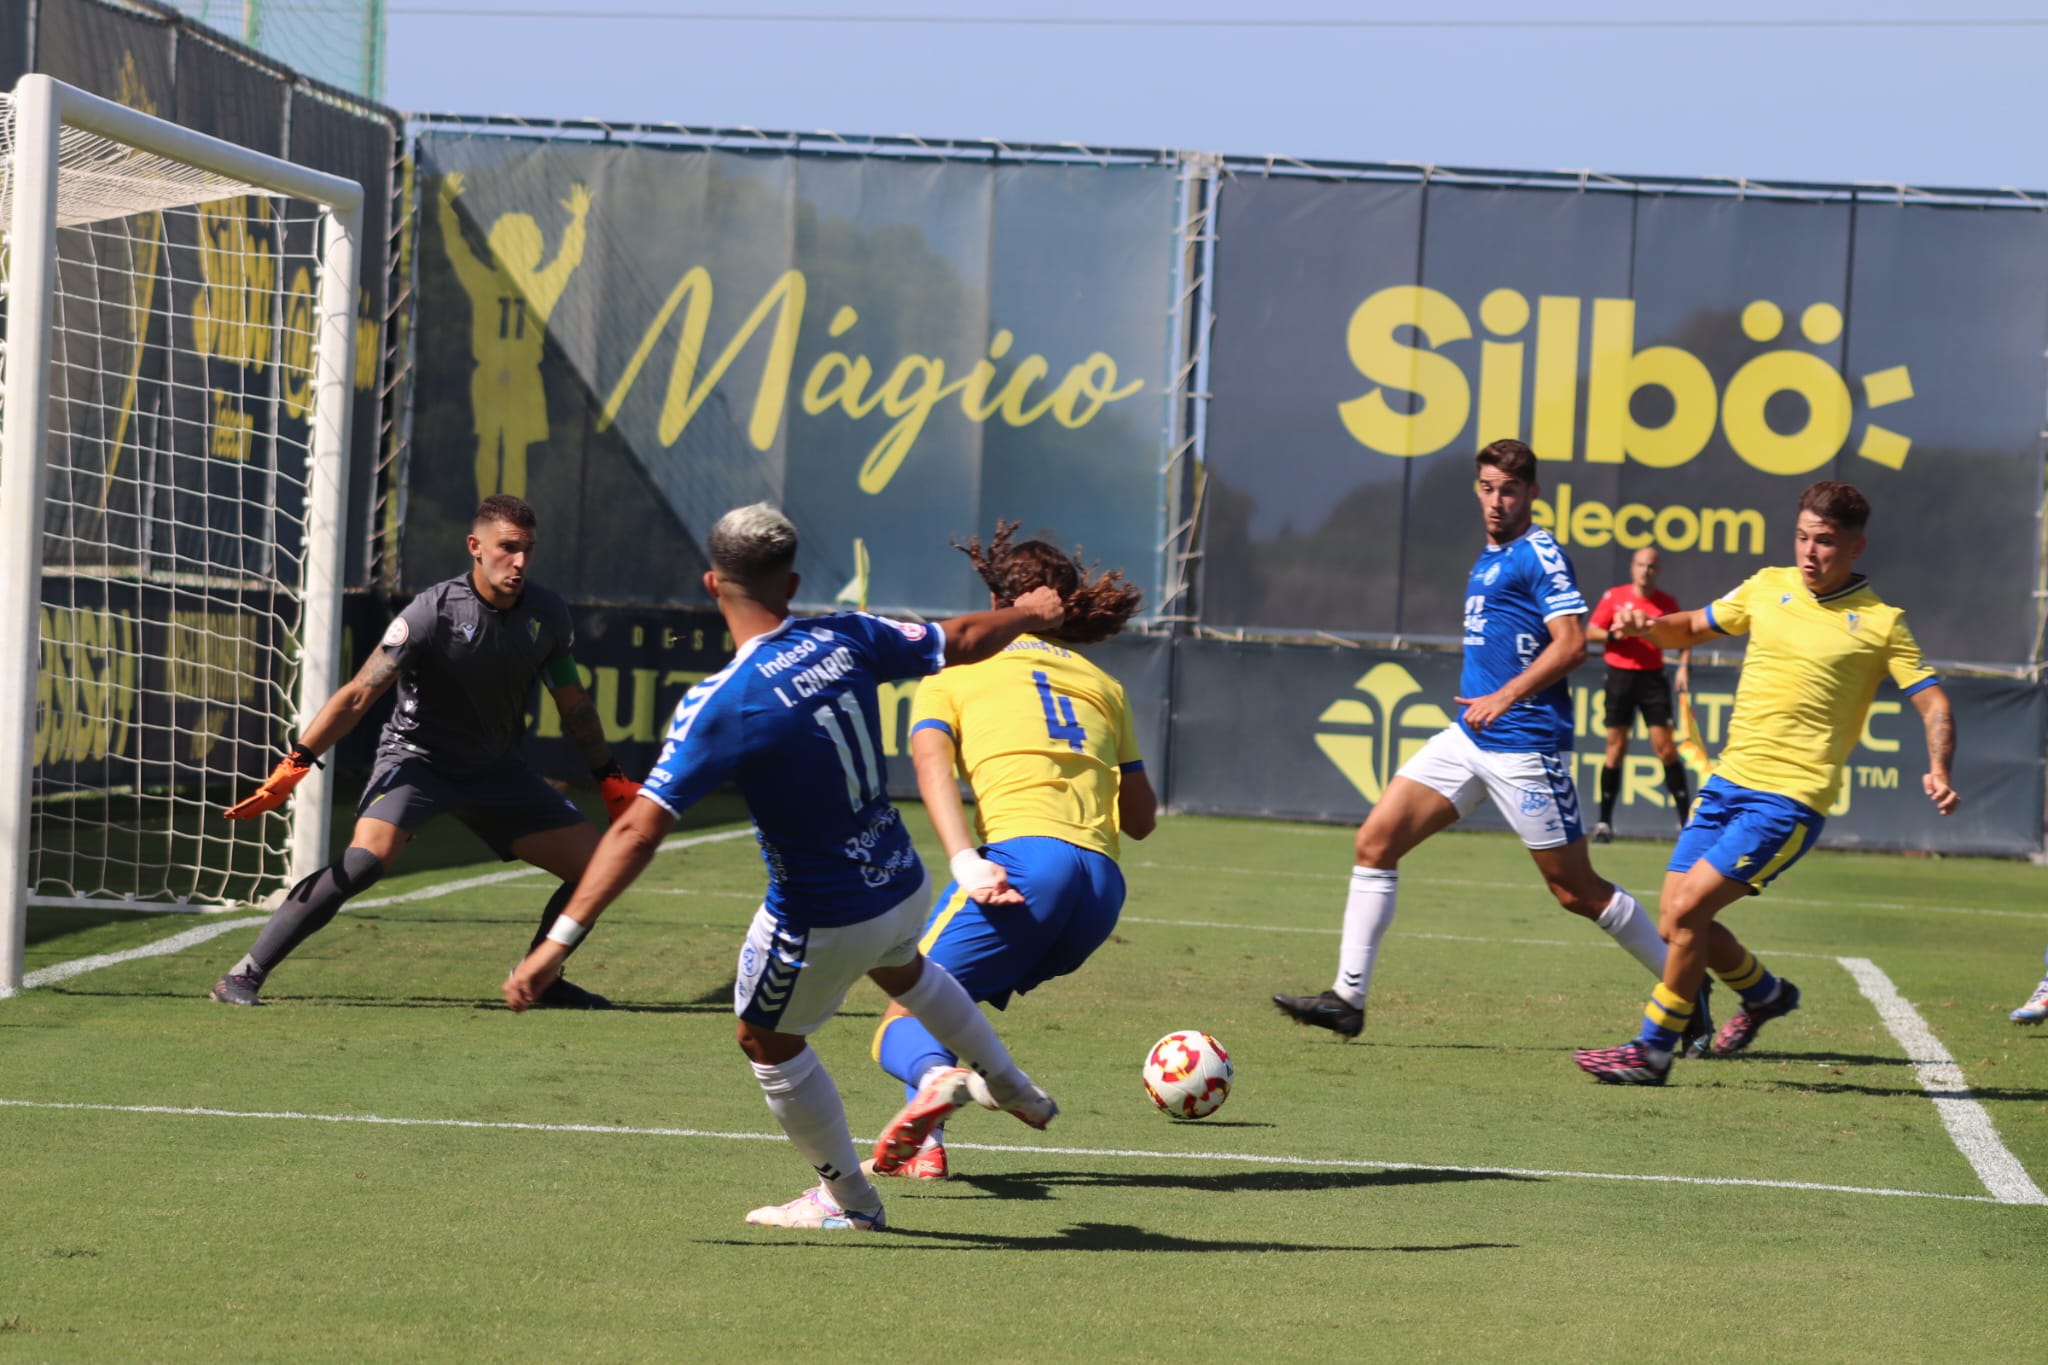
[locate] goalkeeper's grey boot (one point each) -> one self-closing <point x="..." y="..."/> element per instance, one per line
<point x="237" y="988"/>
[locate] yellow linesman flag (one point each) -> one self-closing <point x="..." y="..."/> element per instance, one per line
<point x="855" y="593"/>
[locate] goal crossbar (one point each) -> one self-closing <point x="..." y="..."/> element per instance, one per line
<point x="104" y="186"/>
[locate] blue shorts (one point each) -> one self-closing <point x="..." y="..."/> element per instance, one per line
<point x="1747" y="836"/>
<point x="1072" y="897"/>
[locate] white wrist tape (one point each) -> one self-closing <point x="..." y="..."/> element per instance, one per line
<point x="566" y="931"/>
<point x="971" y="870"/>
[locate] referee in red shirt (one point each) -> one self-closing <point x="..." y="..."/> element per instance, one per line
<point x="1636" y="682"/>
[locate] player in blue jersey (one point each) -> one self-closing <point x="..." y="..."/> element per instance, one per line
<point x="795" y="721"/>
<point x="1525" y="631"/>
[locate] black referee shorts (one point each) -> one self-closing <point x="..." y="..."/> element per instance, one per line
<point x="1630" y="690"/>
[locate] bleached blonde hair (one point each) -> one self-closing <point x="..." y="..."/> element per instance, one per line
<point x="754" y="547"/>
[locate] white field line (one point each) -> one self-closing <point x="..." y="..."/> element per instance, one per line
<point x="1969" y="1127"/>
<point x="176" y="943"/>
<point x="1591" y="941"/>
<point x="1336" y="880"/>
<point x="64" y="971"/>
<point x="1121" y="1153"/>
<point x="427" y="893"/>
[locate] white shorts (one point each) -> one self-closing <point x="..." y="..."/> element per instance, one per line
<point x="794" y="980"/>
<point x="1532" y="791"/>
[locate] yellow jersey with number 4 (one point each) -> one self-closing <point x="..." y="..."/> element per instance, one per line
<point x="1044" y="738"/>
<point x="1813" y="667"/>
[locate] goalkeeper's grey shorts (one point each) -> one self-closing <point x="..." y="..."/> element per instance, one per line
<point x="501" y="803"/>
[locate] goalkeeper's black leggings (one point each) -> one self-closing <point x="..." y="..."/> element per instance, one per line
<point x="312" y="903"/>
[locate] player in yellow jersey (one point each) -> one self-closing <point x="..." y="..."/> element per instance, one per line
<point x="1820" y="642"/>
<point x="1044" y="738"/>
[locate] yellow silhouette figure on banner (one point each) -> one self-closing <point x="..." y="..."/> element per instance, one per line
<point x="510" y="298"/>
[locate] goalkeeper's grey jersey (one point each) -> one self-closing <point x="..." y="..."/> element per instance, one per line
<point x="469" y="671"/>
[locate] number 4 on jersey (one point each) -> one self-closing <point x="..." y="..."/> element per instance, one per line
<point x="1060" y="722"/>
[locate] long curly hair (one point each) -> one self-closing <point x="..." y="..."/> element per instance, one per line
<point x="1098" y="604"/>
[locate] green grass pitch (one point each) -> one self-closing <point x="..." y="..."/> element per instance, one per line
<point x="1430" y="1191"/>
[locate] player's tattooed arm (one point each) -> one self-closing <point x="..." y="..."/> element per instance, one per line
<point x="581" y="725"/>
<point x="1939" y="720"/>
<point x="352" y="702"/>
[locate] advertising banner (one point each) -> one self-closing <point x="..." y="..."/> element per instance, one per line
<point x="1335" y="724"/>
<point x="638" y="661"/>
<point x="895" y="350"/>
<point x="231" y="373"/>
<point x="143" y="687"/>
<point x="1682" y="364"/>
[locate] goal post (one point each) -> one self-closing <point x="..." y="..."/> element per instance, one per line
<point x="174" y="436"/>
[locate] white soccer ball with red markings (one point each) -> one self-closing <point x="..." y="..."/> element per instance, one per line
<point x="1187" y="1074"/>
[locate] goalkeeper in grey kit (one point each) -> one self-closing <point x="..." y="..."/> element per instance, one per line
<point x="464" y="656"/>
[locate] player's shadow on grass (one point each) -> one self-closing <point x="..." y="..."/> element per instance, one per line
<point x="1104" y="1237"/>
<point x="1028" y="1186"/>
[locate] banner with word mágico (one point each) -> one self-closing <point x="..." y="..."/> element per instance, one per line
<point x="1683" y="365"/>
<point x="900" y="350"/>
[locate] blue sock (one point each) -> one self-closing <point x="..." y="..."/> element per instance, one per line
<point x="906" y="1050"/>
<point x="1750" y="981"/>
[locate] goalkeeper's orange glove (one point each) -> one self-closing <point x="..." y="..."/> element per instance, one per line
<point x="617" y="789"/>
<point x="277" y="788"/>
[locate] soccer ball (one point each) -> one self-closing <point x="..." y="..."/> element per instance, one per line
<point x="1187" y="1074"/>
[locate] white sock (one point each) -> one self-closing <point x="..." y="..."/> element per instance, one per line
<point x="1368" y="910"/>
<point x="1625" y="922"/>
<point x="942" y="1005"/>
<point x="806" y="1103"/>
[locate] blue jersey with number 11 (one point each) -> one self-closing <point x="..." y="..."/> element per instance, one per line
<point x="794" y="720"/>
<point x="1514" y="593"/>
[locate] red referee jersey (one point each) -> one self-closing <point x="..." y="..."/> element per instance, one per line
<point x="1640" y="655"/>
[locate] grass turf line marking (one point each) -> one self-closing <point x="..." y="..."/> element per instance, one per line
<point x="176" y="943"/>
<point x="1121" y="1153"/>
<point x="426" y="893"/>
<point x="1333" y="878"/>
<point x="1969" y="1127"/>
<point x="1442" y="938"/>
<point x="191" y="938"/>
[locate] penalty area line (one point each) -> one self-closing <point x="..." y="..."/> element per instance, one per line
<point x="191" y="938"/>
<point x="1115" y="1153"/>
<point x="176" y="943"/>
<point x="1400" y="933"/>
<point x="1968" y="1125"/>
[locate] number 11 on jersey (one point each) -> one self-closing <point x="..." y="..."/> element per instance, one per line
<point x="864" y="777"/>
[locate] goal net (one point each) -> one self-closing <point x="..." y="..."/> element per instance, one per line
<point x="172" y="446"/>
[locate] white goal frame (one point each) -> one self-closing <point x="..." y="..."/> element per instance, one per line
<point x="43" y="108"/>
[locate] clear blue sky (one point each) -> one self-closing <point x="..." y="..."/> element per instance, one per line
<point x="1947" y="105"/>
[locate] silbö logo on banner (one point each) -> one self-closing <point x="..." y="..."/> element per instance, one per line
<point x="1397" y="337"/>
